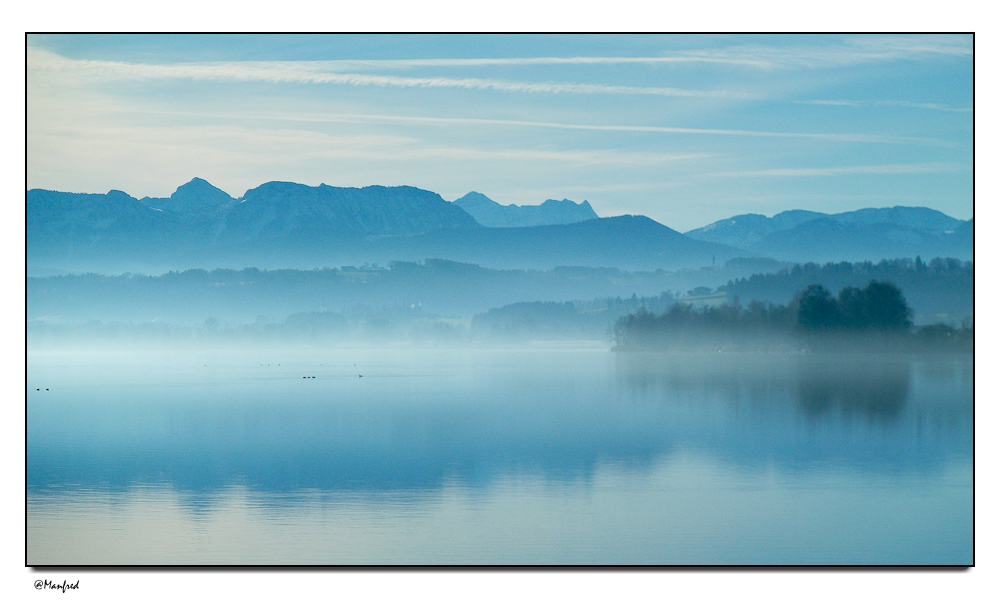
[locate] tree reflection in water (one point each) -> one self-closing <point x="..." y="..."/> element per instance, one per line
<point x="873" y="386"/>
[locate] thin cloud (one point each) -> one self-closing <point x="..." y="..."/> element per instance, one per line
<point x="928" y="106"/>
<point x="293" y="145"/>
<point x="312" y="73"/>
<point x="852" y="51"/>
<point x="598" y="157"/>
<point x="362" y="118"/>
<point x="913" y="169"/>
<point x="833" y="137"/>
<point x="830" y="102"/>
<point x="912" y="46"/>
<point x="552" y="191"/>
<point x="901" y="103"/>
<point x="849" y="51"/>
<point x="544" y="60"/>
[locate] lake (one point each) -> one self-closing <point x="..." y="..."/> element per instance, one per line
<point x="539" y="454"/>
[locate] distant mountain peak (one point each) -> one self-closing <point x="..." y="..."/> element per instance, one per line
<point x="565" y="202"/>
<point x="551" y="212"/>
<point x="279" y="209"/>
<point x="200" y="187"/>
<point x="865" y="234"/>
<point x="194" y="196"/>
<point x="474" y="197"/>
<point x="119" y="195"/>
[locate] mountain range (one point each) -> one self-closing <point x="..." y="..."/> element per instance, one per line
<point x="291" y="225"/>
<point x="867" y="234"/>
<point x="551" y="212"/>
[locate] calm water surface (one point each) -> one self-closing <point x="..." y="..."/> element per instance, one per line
<point x="551" y="455"/>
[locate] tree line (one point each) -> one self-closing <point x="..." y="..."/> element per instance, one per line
<point x="940" y="289"/>
<point x="876" y="315"/>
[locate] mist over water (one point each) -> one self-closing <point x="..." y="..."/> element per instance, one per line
<point x="744" y="336"/>
<point x="536" y="453"/>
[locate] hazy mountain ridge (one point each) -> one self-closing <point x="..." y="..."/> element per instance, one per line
<point x="828" y="240"/>
<point x="195" y="196"/>
<point x="745" y="230"/>
<point x="199" y="222"/>
<point x="280" y="209"/>
<point x="631" y="242"/>
<point x="512" y="301"/>
<point x="272" y="209"/>
<point x="434" y="286"/>
<point x="866" y="234"/>
<point x="551" y="212"/>
<point x="61" y="224"/>
<point x="290" y="225"/>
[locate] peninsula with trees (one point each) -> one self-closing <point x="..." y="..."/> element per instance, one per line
<point x="876" y="317"/>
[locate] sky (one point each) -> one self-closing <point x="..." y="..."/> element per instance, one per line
<point x="686" y="129"/>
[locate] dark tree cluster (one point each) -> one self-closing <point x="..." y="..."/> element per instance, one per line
<point x="939" y="289"/>
<point x="879" y="306"/>
<point x="876" y="316"/>
<point x="756" y="325"/>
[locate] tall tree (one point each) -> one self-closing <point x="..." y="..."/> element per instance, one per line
<point x="886" y="308"/>
<point x="817" y="310"/>
<point x="853" y="308"/>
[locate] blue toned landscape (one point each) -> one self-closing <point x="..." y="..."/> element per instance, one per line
<point x="551" y="455"/>
<point x="499" y="300"/>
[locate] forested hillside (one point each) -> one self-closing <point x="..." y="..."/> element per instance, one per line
<point x="937" y="290"/>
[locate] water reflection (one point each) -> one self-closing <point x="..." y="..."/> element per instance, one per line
<point x="557" y="416"/>
<point x="849" y="386"/>
<point x="875" y="387"/>
<point x="521" y="456"/>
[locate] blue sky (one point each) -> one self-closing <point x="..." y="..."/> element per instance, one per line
<point x="685" y="129"/>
